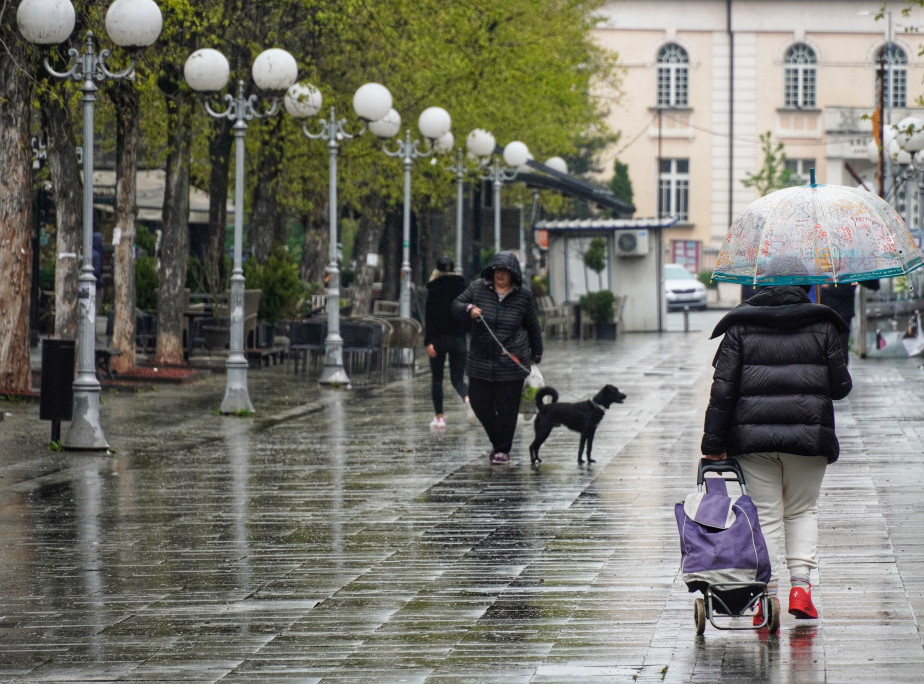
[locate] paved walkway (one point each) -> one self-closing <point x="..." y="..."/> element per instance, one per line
<point x="333" y="537"/>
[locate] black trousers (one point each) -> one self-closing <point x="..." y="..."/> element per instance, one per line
<point x="452" y="346"/>
<point x="496" y="405"/>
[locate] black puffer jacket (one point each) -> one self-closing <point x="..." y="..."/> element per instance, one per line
<point x="514" y="321"/>
<point x="442" y="289"/>
<point x="776" y="372"/>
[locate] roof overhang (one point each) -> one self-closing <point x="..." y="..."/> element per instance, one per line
<point x="604" y="224"/>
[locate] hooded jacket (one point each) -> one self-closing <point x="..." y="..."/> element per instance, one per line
<point x="513" y="320"/>
<point x="443" y="288"/>
<point x="777" y="370"/>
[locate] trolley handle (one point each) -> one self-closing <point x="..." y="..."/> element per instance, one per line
<point x="728" y="465"/>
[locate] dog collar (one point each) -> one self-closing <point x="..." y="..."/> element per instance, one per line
<point x="598" y="406"/>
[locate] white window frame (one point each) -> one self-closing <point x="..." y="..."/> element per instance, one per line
<point x="673" y="86"/>
<point x="674" y="189"/>
<point x="800" y="87"/>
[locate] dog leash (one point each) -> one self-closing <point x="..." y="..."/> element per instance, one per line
<point x="501" y="345"/>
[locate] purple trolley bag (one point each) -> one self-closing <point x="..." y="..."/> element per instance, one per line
<point x="723" y="552"/>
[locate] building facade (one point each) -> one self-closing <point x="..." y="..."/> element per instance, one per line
<point x="705" y="79"/>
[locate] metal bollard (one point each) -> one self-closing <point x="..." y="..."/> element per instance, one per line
<point x="686" y="319"/>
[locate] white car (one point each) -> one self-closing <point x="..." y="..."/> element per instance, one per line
<point x="682" y="289"/>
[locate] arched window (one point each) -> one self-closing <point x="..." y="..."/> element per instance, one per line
<point x="895" y="78"/>
<point x="673" y="76"/>
<point x="800" y="77"/>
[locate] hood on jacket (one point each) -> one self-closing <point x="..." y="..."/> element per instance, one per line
<point x="780" y="306"/>
<point x="506" y="260"/>
<point x="438" y="278"/>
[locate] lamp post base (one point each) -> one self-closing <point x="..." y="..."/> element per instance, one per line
<point x="237" y="398"/>
<point x="334" y="376"/>
<point x="85" y="432"/>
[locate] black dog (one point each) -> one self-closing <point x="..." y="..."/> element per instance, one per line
<point x="581" y="416"/>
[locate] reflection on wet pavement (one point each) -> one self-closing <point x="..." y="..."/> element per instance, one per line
<point x="335" y="537"/>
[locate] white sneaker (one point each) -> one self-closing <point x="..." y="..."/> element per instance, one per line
<point x="438" y="423"/>
<point x="470" y="414"/>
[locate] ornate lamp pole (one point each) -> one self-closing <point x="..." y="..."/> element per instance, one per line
<point x="371" y="102"/>
<point x="131" y="24"/>
<point x="516" y="154"/>
<point x="434" y="123"/>
<point x="459" y="169"/>
<point x="207" y="71"/>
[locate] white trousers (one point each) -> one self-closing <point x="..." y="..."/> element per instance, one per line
<point x="785" y="489"/>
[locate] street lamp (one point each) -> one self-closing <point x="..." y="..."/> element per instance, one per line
<point x="131" y="24"/>
<point x="207" y="71"/>
<point x="459" y="168"/>
<point x="434" y="123"/>
<point x="371" y="102"/>
<point x="516" y="154"/>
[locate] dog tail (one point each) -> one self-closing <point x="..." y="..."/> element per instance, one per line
<point x="546" y="392"/>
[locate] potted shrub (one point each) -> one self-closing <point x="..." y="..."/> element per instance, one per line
<point x="282" y="289"/>
<point x="600" y="306"/>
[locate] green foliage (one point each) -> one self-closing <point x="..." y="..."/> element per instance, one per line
<point x="621" y="184"/>
<point x="600" y="306"/>
<point x="595" y="256"/>
<point x="705" y="277"/>
<point x="540" y="286"/>
<point x="773" y="175"/>
<point x="279" y="281"/>
<point x="146" y="283"/>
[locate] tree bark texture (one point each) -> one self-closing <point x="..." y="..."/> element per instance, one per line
<point x="16" y="220"/>
<point x="220" y="158"/>
<point x="366" y="241"/>
<point x="67" y="190"/>
<point x="315" y="246"/>
<point x="175" y="237"/>
<point x="266" y="224"/>
<point x="127" y="104"/>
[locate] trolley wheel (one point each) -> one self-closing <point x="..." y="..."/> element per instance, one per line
<point x="699" y="615"/>
<point x="773" y="608"/>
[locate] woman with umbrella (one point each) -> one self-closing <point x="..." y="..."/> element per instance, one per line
<point x="777" y="370"/>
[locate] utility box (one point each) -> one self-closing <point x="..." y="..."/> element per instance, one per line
<point x="57" y="389"/>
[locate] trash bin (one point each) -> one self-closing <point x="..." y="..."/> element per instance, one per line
<point x="57" y="388"/>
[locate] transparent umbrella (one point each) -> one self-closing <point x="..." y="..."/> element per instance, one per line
<point x="815" y="234"/>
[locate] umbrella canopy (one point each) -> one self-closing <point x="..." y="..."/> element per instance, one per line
<point x="817" y="234"/>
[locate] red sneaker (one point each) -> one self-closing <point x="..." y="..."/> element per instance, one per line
<point x="800" y="603"/>
<point x="759" y="615"/>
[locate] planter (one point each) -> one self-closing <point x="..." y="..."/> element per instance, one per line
<point x="266" y="335"/>
<point x="605" y="331"/>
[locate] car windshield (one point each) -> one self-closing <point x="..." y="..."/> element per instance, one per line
<point x="677" y="272"/>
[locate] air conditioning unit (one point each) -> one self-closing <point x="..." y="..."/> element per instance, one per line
<point x="631" y="243"/>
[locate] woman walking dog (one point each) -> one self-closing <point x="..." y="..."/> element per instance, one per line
<point x="505" y="338"/>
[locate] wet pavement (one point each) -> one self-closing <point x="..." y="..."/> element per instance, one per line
<point x="334" y="537"/>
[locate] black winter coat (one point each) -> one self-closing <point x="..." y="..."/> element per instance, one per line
<point x="514" y="321"/>
<point x="442" y="289"/>
<point x="777" y="370"/>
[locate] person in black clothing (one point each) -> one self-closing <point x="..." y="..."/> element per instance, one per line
<point x="841" y="298"/>
<point x="777" y="371"/>
<point x="444" y="335"/>
<point x="499" y="307"/>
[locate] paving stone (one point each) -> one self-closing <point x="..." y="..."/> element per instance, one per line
<point x="333" y="537"/>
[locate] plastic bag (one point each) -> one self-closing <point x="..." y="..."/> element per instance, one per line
<point x="534" y="381"/>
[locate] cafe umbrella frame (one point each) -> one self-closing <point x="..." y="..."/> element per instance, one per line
<point x="816" y="234"/>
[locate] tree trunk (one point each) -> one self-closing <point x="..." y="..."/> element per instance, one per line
<point x="175" y="239"/>
<point x="127" y="104"/>
<point x="67" y="190"/>
<point x="265" y="222"/>
<point x="16" y="221"/>
<point x="213" y="276"/>
<point x="315" y="246"/>
<point x="366" y="242"/>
